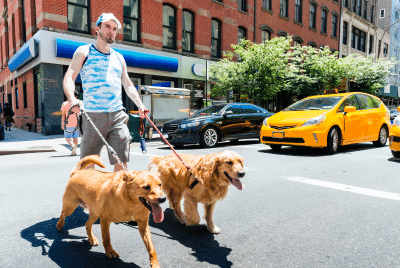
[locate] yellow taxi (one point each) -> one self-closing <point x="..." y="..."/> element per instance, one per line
<point x="328" y="121"/>
<point x="394" y="136"/>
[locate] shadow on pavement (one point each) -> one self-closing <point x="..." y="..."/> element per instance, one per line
<point x="68" y="250"/>
<point x="201" y="242"/>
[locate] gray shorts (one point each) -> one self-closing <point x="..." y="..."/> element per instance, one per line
<point x="114" y="128"/>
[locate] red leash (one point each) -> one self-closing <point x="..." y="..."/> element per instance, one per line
<point x="196" y="181"/>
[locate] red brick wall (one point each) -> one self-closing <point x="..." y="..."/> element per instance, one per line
<point x="289" y="26"/>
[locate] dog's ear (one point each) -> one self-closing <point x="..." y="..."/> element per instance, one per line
<point x="129" y="176"/>
<point x="215" y="166"/>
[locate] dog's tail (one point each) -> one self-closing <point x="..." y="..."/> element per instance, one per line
<point x="88" y="160"/>
<point x="154" y="162"/>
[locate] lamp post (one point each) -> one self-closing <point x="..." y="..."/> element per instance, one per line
<point x="380" y="44"/>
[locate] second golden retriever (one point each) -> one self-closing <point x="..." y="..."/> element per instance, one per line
<point x="215" y="173"/>
<point x="114" y="197"/>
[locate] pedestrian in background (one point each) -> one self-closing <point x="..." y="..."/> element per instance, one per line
<point x="103" y="72"/>
<point x="8" y="116"/>
<point x="72" y="124"/>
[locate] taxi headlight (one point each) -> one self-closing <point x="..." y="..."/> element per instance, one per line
<point x="315" y="121"/>
<point x="194" y="124"/>
<point x="396" y="121"/>
<point x="265" y="123"/>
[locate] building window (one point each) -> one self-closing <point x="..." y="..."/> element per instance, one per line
<point x="297" y="41"/>
<point x="241" y="34"/>
<point x="215" y="38"/>
<point x="313" y="16"/>
<point x="243" y="5"/>
<point x="265" y="36"/>
<point x="346" y="3"/>
<point x="396" y="16"/>
<point x="371" y="44"/>
<point x="324" y="21"/>
<point x="298" y="11"/>
<point x="334" y="25"/>
<point x="16" y="98"/>
<point x="187" y="31"/>
<point x="364" y="15"/>
<point x="25" y="95"/>
<point x="382" y="13"/>
<point x="78" y="16"/>
<point x="372" y="14"/>
<point x="284" y="8"/>
<point x="169" y="27"/>
<point x="266" y="4"/>
<point x="358" y="39"/>
<point x="131" y="20"/>
<point x="359" y="3"/>
<point x="345" y="29"/>
<point x="312" y="44"/>
<point x="385" y="49"/>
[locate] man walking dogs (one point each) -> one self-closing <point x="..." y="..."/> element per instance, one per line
<point x="103" y="73"/>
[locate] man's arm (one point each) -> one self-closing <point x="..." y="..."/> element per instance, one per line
<point x="131" y="91"/>
<point x="72" y="72"/>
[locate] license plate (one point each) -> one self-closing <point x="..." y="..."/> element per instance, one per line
<point x="278" y="134"/>
<point x="165" y="136"/>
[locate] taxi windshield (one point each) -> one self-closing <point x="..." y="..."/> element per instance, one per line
<point x="322" y="103"/>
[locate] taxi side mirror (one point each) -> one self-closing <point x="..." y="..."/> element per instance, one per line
<point x="349" y="109"/>
<point x="398" y="109"/>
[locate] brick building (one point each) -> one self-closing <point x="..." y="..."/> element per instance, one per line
<point x="38" y="38"/>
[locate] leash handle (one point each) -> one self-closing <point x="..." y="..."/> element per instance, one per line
<point x="70" y="112"/>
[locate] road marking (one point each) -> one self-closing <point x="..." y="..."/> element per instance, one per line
<point x="347" y="188"/>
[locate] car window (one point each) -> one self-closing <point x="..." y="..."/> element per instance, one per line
<point x="350" y="101"/>
<point x="235" y="109"/>
<point x="215" y="109"/>
<point x="377" y="103"/>
<point x="249" y="109"/>
<point x="366" y="102"/>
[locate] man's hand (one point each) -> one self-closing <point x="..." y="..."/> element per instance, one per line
<point x="73" y="101"/>
<point x="143" y="111"/>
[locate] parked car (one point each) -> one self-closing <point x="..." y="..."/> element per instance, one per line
<point x="393" y="114"/>
<point x="394" y="137"/>
<point x="210" y="125"/>
<point x="329" y="121"/>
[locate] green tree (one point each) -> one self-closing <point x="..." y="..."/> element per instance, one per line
<point x="365" y="75"/>
<point x="261" y="72"/>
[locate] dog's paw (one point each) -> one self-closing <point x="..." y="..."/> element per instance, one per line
<point x="112" y="254"/>
<point x="93" y="241"/>
<point x="214" y="229"/>
<point x="60" y="226"/>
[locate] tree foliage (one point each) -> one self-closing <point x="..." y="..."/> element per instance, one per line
<point x="263" y="70"/>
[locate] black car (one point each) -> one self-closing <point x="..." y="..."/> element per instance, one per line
<point x="232" y="121"/>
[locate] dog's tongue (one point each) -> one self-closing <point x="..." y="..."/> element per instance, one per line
<point x="158" y="214"/>
<point x="237" y="183"/>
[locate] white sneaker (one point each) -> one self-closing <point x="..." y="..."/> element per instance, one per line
<point x="73" y="152"/>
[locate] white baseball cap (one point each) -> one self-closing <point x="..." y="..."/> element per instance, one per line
<point x="106" y="17"/>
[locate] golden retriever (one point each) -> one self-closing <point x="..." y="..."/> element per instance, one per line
<point x="215" y="172"/>
<point x="114" y="197"/>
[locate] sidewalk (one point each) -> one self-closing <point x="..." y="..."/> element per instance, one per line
<point x="18" y="141"/>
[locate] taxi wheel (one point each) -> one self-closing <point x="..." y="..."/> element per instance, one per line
<point x="209" y="137"/>
<point x="396" y="154"/>
<point x="333" y="140"/>
<point x="383" y="135"/>
<point x="276" y="147"/>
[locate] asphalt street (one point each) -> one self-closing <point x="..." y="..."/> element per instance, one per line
<point x="300" y="208"/>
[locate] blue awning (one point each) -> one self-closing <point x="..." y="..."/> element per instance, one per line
<point x="66" y="48"/>
<point x="27" y="52"/>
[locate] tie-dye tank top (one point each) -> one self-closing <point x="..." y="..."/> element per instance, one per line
<point x="101" y="81"/>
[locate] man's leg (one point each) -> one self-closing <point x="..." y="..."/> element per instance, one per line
<point x="119" y="139"/>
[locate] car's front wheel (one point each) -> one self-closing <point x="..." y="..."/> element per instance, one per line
<point x="396" y="154"/>
<point x="209" y="137"/>
<point x="383" y="135"/>
<point x="333" y="141"/>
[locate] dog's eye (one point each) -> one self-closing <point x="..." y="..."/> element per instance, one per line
<point x="147" y="187"/>
<point x="229" y="163"/>
<point x="159" y="185"/>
